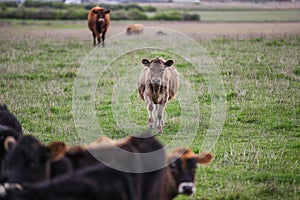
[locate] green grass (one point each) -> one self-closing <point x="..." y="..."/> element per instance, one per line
<point x="250" y="16"/>
<point x="257" y="154"/>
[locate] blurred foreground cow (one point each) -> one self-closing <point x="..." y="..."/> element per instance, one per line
<point x="90" y="179"/>
<point x="98" y="22"/>
<point x="180" y="174"/>
<point x="28" y="160"/>
<point x="158" y="83"/>
<point x="135" y="29"/>
<point x="9" y="127"/>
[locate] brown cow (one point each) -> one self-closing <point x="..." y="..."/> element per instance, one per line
<point x="158" y="83"/>
<point x="180" y="174"/>
<point x="98" y="22"/>
<point x="135" y="29"/>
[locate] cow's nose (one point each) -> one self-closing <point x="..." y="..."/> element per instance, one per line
<point x="187" y="190"/>
<point x="156" y="81"/>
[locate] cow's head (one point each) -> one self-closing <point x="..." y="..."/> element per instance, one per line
<point x="157" y="68"/>
<point x="183" y="168"/>
<point x="28" y="160"/>
<point x="101" y="14"/>
<point x="5" y="132"/>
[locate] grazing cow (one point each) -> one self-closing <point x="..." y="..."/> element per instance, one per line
<point x="28" y="160"/>
<point x="8" y="119"/>
<point x="135" y="29"/>
<point x="180" y="174"/>
<point x="158" y="83"/>
<point x="98" y="22"/>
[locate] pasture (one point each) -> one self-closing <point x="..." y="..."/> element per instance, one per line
<point x="257" y="153"/>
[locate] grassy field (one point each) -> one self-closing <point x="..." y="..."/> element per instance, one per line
<point x="257" y="154"/>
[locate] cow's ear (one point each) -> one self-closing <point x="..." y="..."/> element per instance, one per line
<point x="146" y="62"/>
<point x="9" y="143"/>
<point x="58" y="150"/>
<point x="204" y="158"/>
<point x="169" y="63"/>
<point x="95" y="11"/>
<point x="107" y="11"/>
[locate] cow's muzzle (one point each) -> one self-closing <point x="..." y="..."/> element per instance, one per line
<point x="156" y="82"/>
<point x="101" y="20"/>
<point x="186" y="188"/>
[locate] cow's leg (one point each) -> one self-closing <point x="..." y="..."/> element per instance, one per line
<point x="150" y="107"/>
<point x="103" y="38"/>
<point x="159" y="116"/>
<point x="98" y="38"/>
<point x="160" y="112"/>
<point x="94" y="36"/>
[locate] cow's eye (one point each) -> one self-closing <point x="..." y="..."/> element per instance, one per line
<point x="173" y="165"/>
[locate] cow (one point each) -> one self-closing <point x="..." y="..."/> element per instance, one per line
<point x="146" y="185"/>
<point x="90" y="183"/>
<point x="135" y="29"/>
<point x="28" y="160"/>
<point x="158" y="83"/>
<point x="9" y="126"/>
<point x="6" y="132"/>
<point x="9" y="119"/>
<point x="98" y="23"/>
<point x="179" y="177"/>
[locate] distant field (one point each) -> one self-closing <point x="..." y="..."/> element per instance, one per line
<point x="195" y="29"/>
<point x="250" y="16"/>
<point x="234" y="5"/>
<point x="257" y="154"/>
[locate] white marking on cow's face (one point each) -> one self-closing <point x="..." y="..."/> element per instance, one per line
<point x="186" y="188"/>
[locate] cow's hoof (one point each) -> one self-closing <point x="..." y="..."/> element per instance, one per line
<point x="159" y="130"/>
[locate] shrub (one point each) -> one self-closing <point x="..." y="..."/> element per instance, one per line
<point x="130" y="6"/>
<point x="106" y="6"/>
<point x="8" y="4"/>
<point x="191" y="17"/>
<point x="42" y="4"/>
<point x="135" y="14"/>
<point x="149" y="9"/>
<point x="119" y="15"/>
<point x="168" y="15"/>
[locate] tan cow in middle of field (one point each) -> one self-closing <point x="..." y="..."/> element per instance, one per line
<point x="158" y="83"/>
<point x="135" y="29"/>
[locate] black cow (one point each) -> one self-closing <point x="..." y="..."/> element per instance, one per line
<point x="90" y="183"/>
<point x="8" y="119"/>
<point x="28" y="160"/>
<point x="145" y="185"/>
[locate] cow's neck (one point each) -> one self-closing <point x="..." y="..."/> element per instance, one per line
<point x="169" y="186"/>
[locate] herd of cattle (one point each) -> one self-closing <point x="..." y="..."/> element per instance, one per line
<point x="31" y="170"/>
